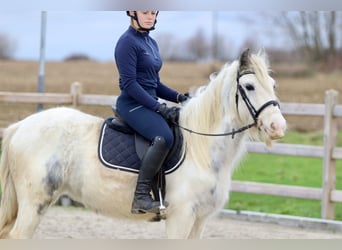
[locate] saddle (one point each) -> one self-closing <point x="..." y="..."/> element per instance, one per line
<point x="121" y="148"/>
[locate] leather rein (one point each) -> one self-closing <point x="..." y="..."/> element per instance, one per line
<point x="252" y="110"/>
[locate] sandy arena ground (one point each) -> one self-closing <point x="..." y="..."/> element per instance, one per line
<point x="75" y="223"/>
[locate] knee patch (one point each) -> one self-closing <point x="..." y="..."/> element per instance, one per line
<point x="161" y="141"/>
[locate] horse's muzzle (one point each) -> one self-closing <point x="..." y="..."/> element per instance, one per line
<point x="274" y="127"/>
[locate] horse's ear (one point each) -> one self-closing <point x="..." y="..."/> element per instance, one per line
<point x="213" y="76"/>
<point x="245" y="60"/>
<point x="262" y="53"/>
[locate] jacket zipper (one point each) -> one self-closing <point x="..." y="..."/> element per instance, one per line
<point x="149" y="45"/>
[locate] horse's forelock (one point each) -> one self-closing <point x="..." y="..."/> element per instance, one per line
<point x="260" y="66"/>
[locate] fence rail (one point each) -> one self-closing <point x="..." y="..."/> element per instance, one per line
<point x="329" y="152"/>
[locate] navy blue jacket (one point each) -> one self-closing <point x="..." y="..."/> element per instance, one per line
<point x="138" y="61"/>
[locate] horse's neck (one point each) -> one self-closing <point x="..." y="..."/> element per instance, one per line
<point x="207" y="114"/>
<point x="226" y="153"/>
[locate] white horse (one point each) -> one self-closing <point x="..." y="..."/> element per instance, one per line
<point x="54" y="152"/>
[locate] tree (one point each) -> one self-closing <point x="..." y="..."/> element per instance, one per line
<point x="7" y="47"/>
<point x="77" y="57"/>
<point x="168" y="47"/>
<point x="222" y="48"/>
<point x="315" y="33"/>
<point x="198" y="46"/>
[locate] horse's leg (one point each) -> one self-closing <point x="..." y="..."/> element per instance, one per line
<point x="33" y="204"/>
<point x="179" y="222"/>
<point x="35" y="195"/>
<point x="26" y="223"/>
<point x="198" y="228"/>
<point x="8" y="206"/>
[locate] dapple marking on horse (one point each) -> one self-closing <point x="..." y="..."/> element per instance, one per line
<point x="54" y="152"/>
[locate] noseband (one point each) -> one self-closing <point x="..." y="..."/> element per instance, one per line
<point x="254" y="113"/>
<point x="240" y="90"/>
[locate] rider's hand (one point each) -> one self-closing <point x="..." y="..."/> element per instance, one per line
<point x="170" y="114"/>
<point x="182" y="98"/>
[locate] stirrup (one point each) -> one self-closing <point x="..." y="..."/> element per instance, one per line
<point x="161" y="215"/>
<point x="163" y="204"/>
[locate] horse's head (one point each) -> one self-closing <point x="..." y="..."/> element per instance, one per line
<point x="255" y="98"/>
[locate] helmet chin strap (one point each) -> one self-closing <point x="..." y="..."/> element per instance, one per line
<point x="140" y="28"/>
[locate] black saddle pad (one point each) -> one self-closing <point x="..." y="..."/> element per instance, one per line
<point x="117" y="150"/>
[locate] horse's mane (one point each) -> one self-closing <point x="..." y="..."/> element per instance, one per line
<point x="206" y="105"/>
<point x="205" y="112"/>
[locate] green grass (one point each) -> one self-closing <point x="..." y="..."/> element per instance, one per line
<point x="287" y="170"/>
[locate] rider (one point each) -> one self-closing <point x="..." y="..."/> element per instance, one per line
<point x="138" y="61"/>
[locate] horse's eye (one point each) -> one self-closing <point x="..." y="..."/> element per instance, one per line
<point x="250" y="87"/>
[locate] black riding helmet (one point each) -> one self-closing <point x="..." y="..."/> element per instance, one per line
<point x="135" y="17"/>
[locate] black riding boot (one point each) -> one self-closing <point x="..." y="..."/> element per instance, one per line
<point x="150" y="165"/>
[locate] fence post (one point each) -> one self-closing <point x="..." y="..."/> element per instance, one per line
<point x="75" y="91"/>
<point x="329" y="164"/>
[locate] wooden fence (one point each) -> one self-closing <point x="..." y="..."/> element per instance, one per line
<point x="329" y="152"/>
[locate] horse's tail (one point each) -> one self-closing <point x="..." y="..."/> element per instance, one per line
<point x="9" y="203"/>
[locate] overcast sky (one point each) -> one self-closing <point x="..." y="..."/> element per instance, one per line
<point x="94" y="33"/>
<point x="75" y="26"/>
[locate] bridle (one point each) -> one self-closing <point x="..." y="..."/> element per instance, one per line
<point x="254" y="113"/>
<point x="252" y="110"/>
